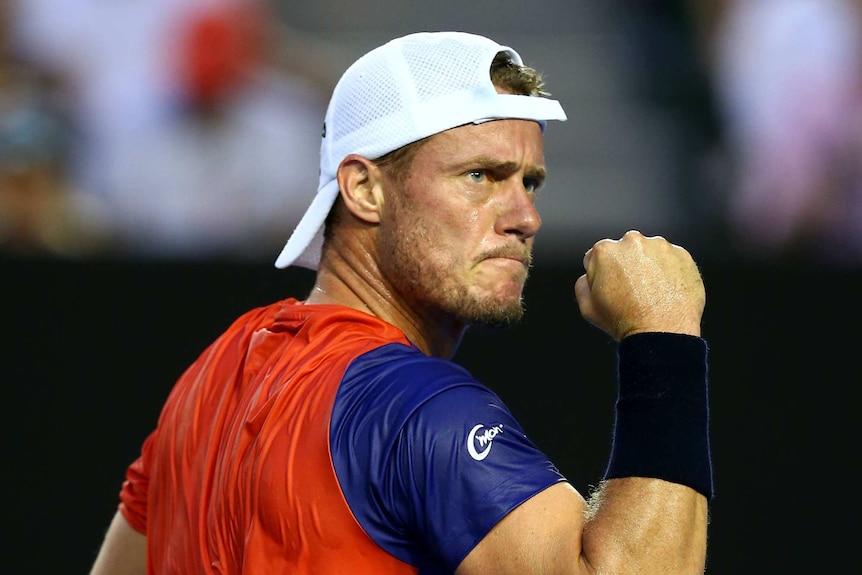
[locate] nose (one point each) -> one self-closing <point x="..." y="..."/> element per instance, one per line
<point x="519" y="215"/>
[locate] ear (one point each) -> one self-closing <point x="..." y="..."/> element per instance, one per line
<point x="360" y="182"/>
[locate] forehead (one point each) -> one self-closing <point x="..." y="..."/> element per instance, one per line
<point x="508" y="140"/>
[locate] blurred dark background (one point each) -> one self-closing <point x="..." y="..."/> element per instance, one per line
<point x="155" y="155"/>
<point x="91" y="350"/>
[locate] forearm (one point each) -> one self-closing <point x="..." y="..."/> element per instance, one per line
<point x="124" y="551"/>
<point x="649" y="515"/>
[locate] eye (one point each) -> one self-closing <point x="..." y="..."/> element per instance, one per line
<point x="476" y="176"/>
<point x="532" y="185"/>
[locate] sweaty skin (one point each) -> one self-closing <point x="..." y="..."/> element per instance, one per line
<point x="638" y="284"/>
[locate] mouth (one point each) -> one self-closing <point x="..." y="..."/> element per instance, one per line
<point x="514" y="259"/>
<point x="508" y="264"/>
<point x="520" y="257"/>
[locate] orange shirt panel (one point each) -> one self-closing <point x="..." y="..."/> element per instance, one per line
<point x="238" y="476"/>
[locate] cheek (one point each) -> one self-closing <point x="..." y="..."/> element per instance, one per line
<point x="420" y="252"/>
<point x="437" y="224"/>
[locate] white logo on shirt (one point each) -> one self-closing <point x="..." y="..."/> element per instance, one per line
<point x="483" y="440"/>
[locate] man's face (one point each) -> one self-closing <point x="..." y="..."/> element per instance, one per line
<point x="456" y="236"/>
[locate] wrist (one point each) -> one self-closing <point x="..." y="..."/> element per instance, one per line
<point x="661" y="427"/>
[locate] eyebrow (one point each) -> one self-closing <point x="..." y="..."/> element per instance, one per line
<point x="488" y="163"/>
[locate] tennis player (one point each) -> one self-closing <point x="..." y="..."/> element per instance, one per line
<point x="332" y="434"/>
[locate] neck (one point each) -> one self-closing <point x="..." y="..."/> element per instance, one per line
<point x="357" y="283"/>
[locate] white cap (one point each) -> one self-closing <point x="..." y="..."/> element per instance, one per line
<point x="406" y="90"/>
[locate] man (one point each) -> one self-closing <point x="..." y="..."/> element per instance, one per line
<point x="333" y="434"/>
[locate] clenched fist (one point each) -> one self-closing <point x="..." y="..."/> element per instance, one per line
<point x="640" y="284"/>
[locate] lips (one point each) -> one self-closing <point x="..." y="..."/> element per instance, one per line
<point x="518" y="257"/>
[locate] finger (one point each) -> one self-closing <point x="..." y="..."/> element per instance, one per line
<point x="582" y="288"/>
<point x="592" y="253"/>
<point x="583" y="296"/>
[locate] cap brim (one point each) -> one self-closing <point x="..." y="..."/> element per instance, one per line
<point x="306" y="241"/>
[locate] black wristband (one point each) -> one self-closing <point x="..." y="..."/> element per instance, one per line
<point x="662" y="411"/>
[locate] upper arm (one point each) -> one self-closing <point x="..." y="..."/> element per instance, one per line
<point x="542" y="535"/>
<point x="123" y="552"/>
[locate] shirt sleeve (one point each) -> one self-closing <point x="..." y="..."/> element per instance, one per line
<point x="133" y="494"/>
<point x="435" y="461"/>
<point x="464" y="462"/>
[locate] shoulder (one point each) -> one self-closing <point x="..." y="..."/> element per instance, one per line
<point x="400" y="379"/>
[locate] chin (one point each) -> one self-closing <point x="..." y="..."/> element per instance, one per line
<point x="492" y="313"/>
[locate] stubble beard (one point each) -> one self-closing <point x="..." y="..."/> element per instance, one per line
<point x="432" y="289"/>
